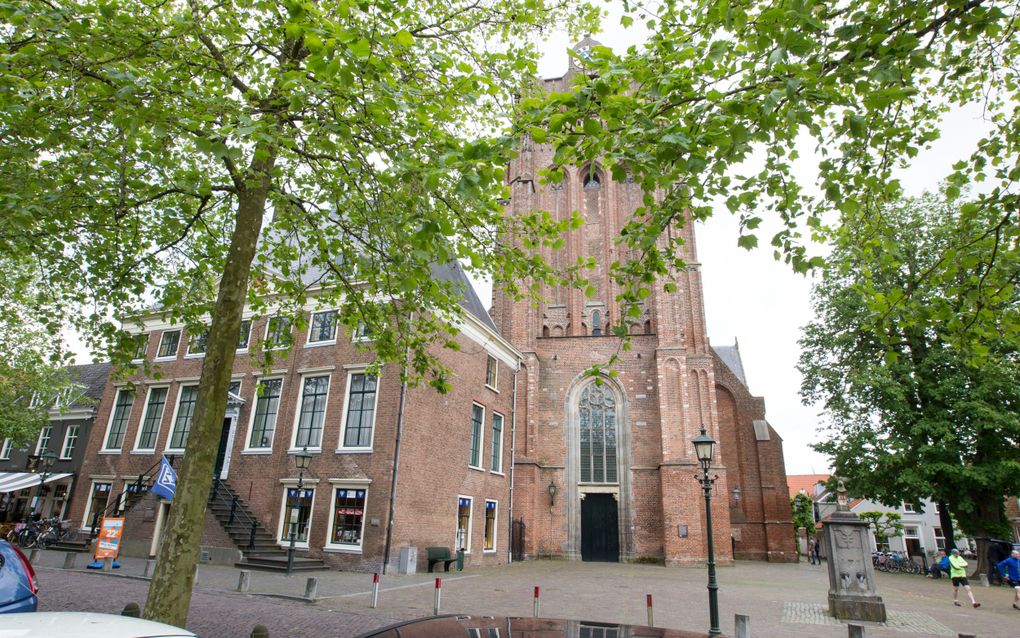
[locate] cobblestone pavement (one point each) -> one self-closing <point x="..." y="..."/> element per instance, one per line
<point x="782" y="600"/>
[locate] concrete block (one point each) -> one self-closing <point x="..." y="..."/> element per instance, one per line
<point x="150" y="567"/>
<point x="33" y="555"/>
<point x="108" y="564"/>
<point x="741" y="626"/>
<point x="312" y="588"/>
<point x="70" y="558"/>
<point x="855" y="631"/>
<point x="244" y="581"/>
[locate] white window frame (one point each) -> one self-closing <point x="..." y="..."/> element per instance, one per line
<point x="109" y="423"/>
<point x="5" y="449"/>
<point x="177" y="350"/>
<point x="247" y="342"/>
<point x="87" y="518"/>
<point x="141" y="422"/>
<point x="495" y="527"/>
<point x="43" y="443"/>
<point x="937" y="534"/>
<point x="495" y="376"/>
<point x="269" y="322"/>
<point x="188" y="354"/>
<point x="481" y="438"/>
<point x="297" y="413"/>
<point x="345" y="484"/>
<point x="470" y="523"/>
<point x="311" y="324"/>
<point x="497" y="469"/>
<point x="64" y="454"/>
<point x="173" y="420"/>
<point x="145" y="346"/>
<point x="361" y="334"/>
<point x="347" y="401"/>
<point x="285" y="540"/>
<point x="908" y="508"/>
<point x="251" y="418"/>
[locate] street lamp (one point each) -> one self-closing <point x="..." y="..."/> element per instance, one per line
<point x="301" y="461"/>
<point x="46" y="459"/>
<point x="704" y="446"/>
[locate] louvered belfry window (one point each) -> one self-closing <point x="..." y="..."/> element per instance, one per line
<point x="597" y="410"/>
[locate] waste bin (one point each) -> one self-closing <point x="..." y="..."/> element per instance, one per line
<point x="460" y="560"/>
<point x="408" y="560"/>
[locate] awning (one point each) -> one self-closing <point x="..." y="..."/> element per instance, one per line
<point x="14" y="481"/>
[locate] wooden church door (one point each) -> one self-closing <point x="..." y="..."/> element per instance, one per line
<point x="600" y="533"/>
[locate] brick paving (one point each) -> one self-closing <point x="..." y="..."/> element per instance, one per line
<point x="782" y="600"/>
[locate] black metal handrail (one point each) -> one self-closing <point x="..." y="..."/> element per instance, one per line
<point x="235" y="512"/>
<point x="120" y="503"/>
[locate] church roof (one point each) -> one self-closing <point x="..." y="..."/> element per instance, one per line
<point x="469" y="301"/>
<point x="730" y="356"/>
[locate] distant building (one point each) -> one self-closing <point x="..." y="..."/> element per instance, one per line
<point x="23" y="469"/>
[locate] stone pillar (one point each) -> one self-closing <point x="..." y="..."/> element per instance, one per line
<point x="852" y="591"/>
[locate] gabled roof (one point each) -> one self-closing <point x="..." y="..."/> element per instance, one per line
<point x="454" y="273"/>
<point x="730" y="356"/>
<point x="92" y="377"/>
<point x="805" y="482"/>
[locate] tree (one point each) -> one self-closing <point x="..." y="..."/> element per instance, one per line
<point x="883" y="529"/>
<point x="718" y="107"/>
<point x="198" y="157"/>
<point x="803" y="509"/>
<point x="912" y="416"/>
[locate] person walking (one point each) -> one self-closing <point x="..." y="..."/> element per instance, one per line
<point x="815" y="558"/>
<point x="958" y="572"/>
<point x="1011" y="570"/>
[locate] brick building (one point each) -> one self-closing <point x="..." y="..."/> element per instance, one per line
<point x="607" y="471"/>
<point x="453" y="485"/>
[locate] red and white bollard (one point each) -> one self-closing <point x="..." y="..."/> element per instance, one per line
<point x="536" y="602"/>
<point x="439" y="594"/>
<point x="648" y="602"/>
<point x="375" y="590"/>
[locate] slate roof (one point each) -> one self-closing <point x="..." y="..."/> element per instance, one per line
<point x="730" y="356"/>
<point x="93" y="377"/>
<point x="454" y="273"/>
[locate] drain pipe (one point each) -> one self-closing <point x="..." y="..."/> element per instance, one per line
<point x="513" y="466"/>
<point x="396" y="463"/>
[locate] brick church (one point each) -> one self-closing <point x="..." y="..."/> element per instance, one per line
<point x="607" y="471"/>
<point x="526" y="457"/>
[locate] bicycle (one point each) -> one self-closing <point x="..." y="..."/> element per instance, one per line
<point x="55" y="531"/>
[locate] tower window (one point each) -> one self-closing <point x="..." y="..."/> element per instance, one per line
<point x="592" y="181"/>
<point x="596" y="324"/>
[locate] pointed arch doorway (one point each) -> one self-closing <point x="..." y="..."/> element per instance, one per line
<point x="599" y="473"/>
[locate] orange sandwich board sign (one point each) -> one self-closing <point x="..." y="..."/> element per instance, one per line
<point x="108" y="543"/>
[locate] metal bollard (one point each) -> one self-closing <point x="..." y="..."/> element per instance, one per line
<point x="108" y="564"/>
<point x="742" y="626"/>
<point x="311" y="588"/>
<point x="535" y="611"/>
<point x="132" y="610"/>
<point x="259" y="631"/>
<point x="648" y="604"/>
<point x="70" y="558"/>
<point x="855" y="631"/>
<point x="375" y="590"/>
<point x="150" y="566"/>
<point x="439" y="595"/>
<point x="244" y="581"/>
<point x="33" y="555"/>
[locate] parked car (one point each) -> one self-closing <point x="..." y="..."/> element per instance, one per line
<point x="18" y="585"/>
<point x="80" y="624"/>
<point x="455" y="625"/>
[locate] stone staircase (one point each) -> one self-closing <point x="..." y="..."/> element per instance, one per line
<point x="259" y="546"/>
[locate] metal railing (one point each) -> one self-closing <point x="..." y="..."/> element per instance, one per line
<point x="120" y="503"/>
<point x="236" y="513"/>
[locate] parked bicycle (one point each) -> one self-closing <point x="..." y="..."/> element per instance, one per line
<point x="54" y="531"/>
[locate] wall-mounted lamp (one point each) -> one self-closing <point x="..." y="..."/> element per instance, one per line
<point x="552" y="493"/>
<point x="736" y="494"/>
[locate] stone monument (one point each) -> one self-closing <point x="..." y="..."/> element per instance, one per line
<point x="852" y="593"/>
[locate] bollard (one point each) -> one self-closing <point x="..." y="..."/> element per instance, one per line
<point x="535" y="612"/>
<point x="69" y="560"/>
<point x="244" y="581"/>
<point x="855" y="631"/>
<point x="150" y="565"/>
<point x="259" y="631"/>
<point x="194" y="581"/>
<point x="132" y="610"/>
<point x="968" y="636"/>
<point x="648" y="604"/>
<point x="984" y="580"/>
<point x="439" y="590"/>
<point x="311" y="588"/>
<point x="33" y="555"/>
<point x="742" y="626"/>
<point x="375" y="590"/>
<point x="108" y="564"/>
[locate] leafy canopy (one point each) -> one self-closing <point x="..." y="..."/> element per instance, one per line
<point x="911" y="413"/>
<point x="717" y="106"/>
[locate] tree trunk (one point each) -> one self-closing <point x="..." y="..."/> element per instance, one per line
<point x="946" y="522"/>
<point x="170" y="590"/>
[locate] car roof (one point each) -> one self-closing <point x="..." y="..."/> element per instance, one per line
<point x="60" y="624"/>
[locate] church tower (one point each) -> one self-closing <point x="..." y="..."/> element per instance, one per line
<point x="607" y="471"/>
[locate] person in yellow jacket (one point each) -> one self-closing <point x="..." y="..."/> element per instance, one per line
<point x="958" y="572"/>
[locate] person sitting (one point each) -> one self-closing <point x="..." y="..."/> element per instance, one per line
<point x="939" y="565"/>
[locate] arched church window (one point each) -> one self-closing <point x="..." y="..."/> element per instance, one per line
<point x="596" y="324"/>
<point x="597" y="410"/>
<point x="592" y="181"/>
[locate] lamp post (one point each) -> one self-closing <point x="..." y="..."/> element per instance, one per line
<point x="704" y="446"/>
<point x="301" y="461"/>
<point x="46" y="459"/>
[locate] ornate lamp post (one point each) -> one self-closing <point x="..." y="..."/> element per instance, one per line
<point x="301" y="461"/>
<point x="704" y="446"/>
<point x="46" y="459"/>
